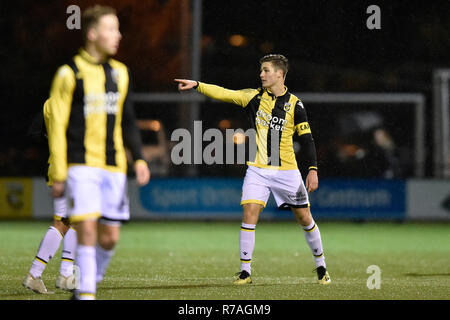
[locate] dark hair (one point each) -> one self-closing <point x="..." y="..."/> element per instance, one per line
<point x="92" y="15"/>
<point x="278" y="61"/>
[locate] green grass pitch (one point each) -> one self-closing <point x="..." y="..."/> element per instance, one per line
<point x="197" y="261"/>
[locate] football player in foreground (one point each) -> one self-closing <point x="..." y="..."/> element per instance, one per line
<point x="90" y="119"/>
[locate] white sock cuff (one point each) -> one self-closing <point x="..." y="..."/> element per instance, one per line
<point x="71" y="230"/>
<point x="104" y="252"/>
<point x="57" y="231"/>
<point x="248" y="226"/>
<point x="310" y="226"/>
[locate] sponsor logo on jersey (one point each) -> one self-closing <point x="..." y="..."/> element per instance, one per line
<point x="265" y="119"/>
<point x="97" y="103"/>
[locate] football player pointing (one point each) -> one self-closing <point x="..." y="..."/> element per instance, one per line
<point x="276" y="115"/>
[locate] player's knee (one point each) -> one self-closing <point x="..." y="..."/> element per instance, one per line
<point x="61" y="226"/>
<point x="86" y="232"/>
<point x="108" y="239"/>
<point x="303" y="216"/>
<point x="108" y="242"/>
<point x="251" y="213"/>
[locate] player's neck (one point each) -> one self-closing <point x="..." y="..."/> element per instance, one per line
<point x="277" y="89"/>
<point x="98" y="56"/>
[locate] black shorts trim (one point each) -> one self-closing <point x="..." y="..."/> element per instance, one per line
<point x="113" y="220"/>
<point x="287" y="206"/>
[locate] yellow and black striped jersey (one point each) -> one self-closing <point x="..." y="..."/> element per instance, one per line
<point x="85" y="115"/>
<point x="275" y="120"/>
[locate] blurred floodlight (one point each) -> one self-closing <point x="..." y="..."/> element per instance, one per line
<point x="237" y="40"/>
<point x="153" y="125"/>
<point x="224" y="124"/>
<point x="239" y="138"/>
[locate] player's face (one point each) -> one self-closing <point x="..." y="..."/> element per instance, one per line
<point x="269" y="75"/>
<point x="108" y="35"/>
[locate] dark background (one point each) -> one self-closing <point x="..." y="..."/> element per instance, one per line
<point x="329" y="47"/>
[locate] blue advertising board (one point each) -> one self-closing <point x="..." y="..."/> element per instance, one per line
<point x="204" y="197"/>
<point x="216" y="198"/>
<point x="359" y="199"/>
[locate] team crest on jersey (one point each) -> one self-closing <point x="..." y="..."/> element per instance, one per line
<point x="115" y="75"/>
<point x="287" y="106"/>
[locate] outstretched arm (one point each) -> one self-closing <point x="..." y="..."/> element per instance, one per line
<point x="239" y="97"/>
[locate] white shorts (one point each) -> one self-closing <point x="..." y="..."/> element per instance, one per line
<point x="286" y="185"/>
<point x="59" y="208"/>
<point x="94" y="193"/>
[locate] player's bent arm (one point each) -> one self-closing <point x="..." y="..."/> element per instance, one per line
<point x="58" y="188"/>
<point x="130" y="131"/>
<point x="312" y="181"/>
<point x="306" y="139"/>
<point x="308" y="149"/>
<point x="309" y="155"/>
<point x="132" y="140"/>
<point x="239" y="97"/>
<point x="57" y="108"/>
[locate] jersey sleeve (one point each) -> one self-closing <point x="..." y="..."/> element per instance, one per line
<point x="131" y="135"/>
<point x="308" y="148"/>
<point x="239" y="97"/>
<point x="300" y="119"/>
<point x="57" y="112"/>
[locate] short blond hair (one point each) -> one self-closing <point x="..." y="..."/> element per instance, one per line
<point x="91" y="16"/>
<point x="278" y="61"/>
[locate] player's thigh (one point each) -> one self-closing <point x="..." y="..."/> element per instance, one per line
<point x="86" y="232"/>
<point x="251" y="212"/>
<point x="83" y="193"/>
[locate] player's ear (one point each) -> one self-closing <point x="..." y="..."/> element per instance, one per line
<point x="92" y="34"/>
<point x="280" y="73"/>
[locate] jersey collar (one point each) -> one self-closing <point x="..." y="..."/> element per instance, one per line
<point x="86" y="56"/>
<point x="273" y="96"/>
